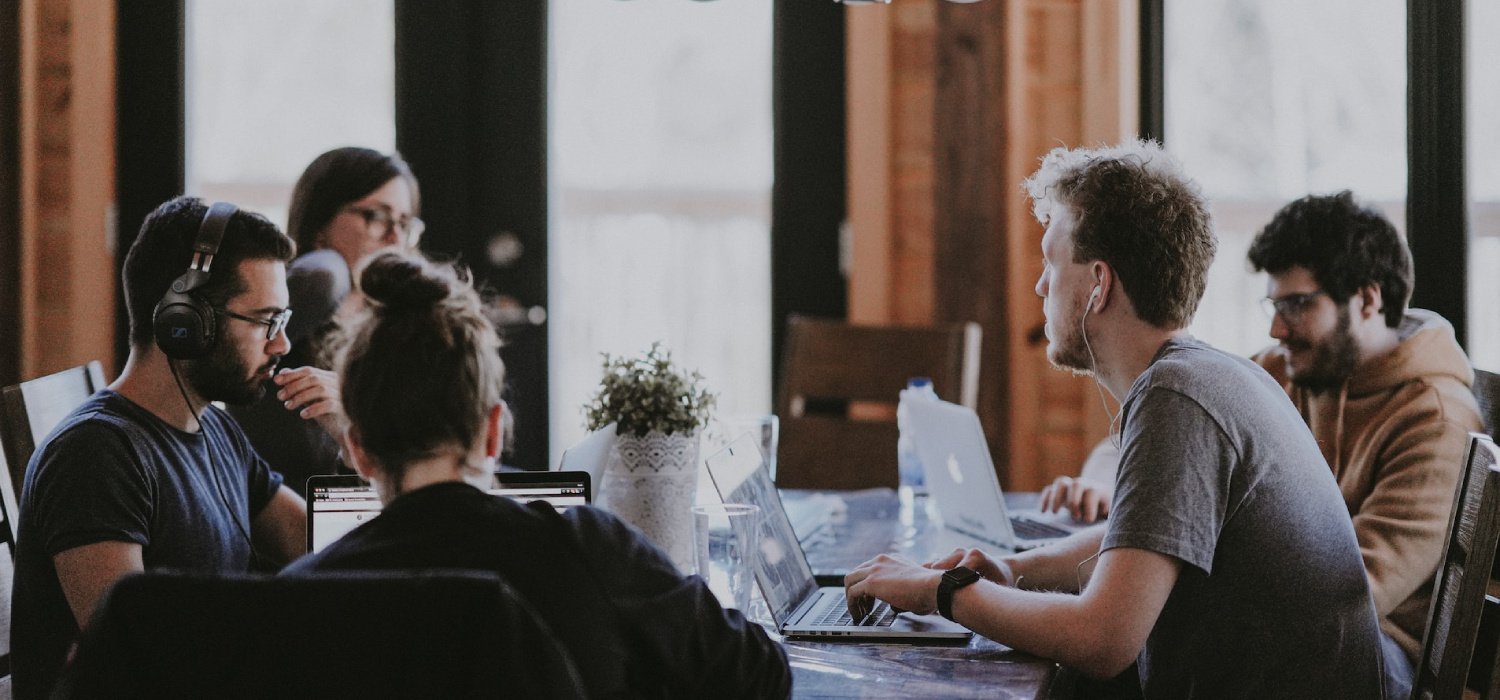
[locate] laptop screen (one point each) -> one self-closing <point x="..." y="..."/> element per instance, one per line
<point x="783" y="573"/>
<point x="338" y="504"/>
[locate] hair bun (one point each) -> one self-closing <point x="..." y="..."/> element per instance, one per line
<point x="403" y="282"/>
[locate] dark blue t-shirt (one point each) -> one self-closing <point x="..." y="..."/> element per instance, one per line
<point x="114" y="472"/>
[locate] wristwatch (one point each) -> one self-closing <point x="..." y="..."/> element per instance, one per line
<point x="953" y="579"/>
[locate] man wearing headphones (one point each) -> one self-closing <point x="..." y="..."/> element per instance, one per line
<point x="147" y="473"/>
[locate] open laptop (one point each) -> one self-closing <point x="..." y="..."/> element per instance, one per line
<point x="339" y="503"/>
<point x="591" y="454"/>
<point x="961" y="480"/>
<point x="799" y="607"/>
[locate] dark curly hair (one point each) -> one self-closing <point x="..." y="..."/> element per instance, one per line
<point x="1345" y="245"/>
<point x="1140" y="213"/>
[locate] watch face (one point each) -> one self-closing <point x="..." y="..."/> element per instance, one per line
<point x="961" y="575"/>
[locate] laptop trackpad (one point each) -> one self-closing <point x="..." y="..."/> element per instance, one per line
<point x="925" y="624"/>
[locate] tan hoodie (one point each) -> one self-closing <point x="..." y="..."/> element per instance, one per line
<point x="1395" y="436"/>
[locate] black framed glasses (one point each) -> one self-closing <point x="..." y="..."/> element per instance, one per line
<point x="1290" y="307"/>
<point x="274" y="325"/>
<point x="410" y="228"/>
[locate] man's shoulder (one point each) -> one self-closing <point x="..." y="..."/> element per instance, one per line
<point x="1197" y="369"/>
<point x="102" y="418"/>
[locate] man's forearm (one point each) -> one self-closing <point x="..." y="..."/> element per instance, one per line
<point x="1061" y="566"/>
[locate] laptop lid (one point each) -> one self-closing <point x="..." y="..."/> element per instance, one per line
<point x="959" y="474"/>
<point x="339" y="503"/>
<point x="591" y="454"/>
<point x="781" y="570"/>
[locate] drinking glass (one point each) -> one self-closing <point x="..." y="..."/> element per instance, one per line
<point x="726" y="535"/>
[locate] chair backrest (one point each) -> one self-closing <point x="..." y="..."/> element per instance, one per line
<point x="1459" y="591"/>
<point x="33" y="408"/>
<point x="9" y="508"/>
<point x="1484" y="668"/>
<point x="7" y="568"/>
<point x="1487" y="394"/>
<point x="829" y="366"/>
<point x="396" y="634"/>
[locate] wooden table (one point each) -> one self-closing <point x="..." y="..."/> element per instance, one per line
<point x="863" y="524"/>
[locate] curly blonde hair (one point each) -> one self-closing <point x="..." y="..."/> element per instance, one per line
<point x="1138" y="212"/>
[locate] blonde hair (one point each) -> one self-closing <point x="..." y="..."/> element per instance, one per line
<point x="1138" y="212"/>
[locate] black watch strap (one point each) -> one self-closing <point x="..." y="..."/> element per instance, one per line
<point x="953" y="579"/>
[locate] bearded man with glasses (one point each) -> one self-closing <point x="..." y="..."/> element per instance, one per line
<point x="148" y="473"/>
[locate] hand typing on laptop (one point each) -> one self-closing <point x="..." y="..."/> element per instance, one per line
<point x="1087" y="496"/>
<point x="911" y="587"/>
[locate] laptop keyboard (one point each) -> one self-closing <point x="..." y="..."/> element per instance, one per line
<point x="1033" y="530"/>
<point x="837" y="615"/>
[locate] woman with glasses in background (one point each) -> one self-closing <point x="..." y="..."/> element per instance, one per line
<point x="350" y="202"/>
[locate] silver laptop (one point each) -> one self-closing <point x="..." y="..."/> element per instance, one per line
<point x="339" y="503"/>
<point x="591" y="454"/>
<point x="799" y="607"/>
<point x="961" y="481"/>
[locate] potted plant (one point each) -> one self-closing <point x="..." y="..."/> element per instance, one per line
<point x="652" y="474"/>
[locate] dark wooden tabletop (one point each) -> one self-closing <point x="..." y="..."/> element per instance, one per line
<point x="841" y="530"/>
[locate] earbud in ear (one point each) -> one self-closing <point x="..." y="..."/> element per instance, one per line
<point x="1094" y="295"/>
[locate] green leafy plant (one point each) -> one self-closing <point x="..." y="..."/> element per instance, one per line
<point x="649" y="393"/>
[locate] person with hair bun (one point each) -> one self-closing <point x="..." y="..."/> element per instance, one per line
<point x="348" y="203"/>
<point x="421" y="376"/>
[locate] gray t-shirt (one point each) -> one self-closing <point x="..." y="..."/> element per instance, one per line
<point x="1219" y="471"/>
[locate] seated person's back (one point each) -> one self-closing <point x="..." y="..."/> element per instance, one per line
<point x="421" y="381"/>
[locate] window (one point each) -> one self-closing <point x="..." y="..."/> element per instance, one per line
<point x="660" y="169"/>
<point x="1268" y="101"/>
<point x="273" y="83"/>
<point x="1483" y="162"/>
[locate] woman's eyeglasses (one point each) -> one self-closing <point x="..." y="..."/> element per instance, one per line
<point x="408" y="227"/>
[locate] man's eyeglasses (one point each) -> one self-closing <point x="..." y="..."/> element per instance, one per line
<point x="1290" y="307"/>
<point x="274" y="325"/>
<point x="409" y="228"/>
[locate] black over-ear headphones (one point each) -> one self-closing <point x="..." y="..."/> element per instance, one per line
<point x="184" y="321"/>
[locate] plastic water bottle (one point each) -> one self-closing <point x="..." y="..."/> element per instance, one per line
<point x="908" y="462"/>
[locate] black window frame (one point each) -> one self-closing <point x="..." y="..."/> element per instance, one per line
<point x="1437" y="229"/>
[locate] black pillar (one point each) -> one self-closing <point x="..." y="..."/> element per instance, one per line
<point x="1437" y="226"/>
<point x="471" y="119"/>
<point x="808" y="194"/>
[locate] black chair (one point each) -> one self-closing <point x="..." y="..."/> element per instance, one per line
<point x="33" y="408"/>
<point x="829" y="366"/>
<point x="1487" y="394"/>
<point x="1459" y="591"/>
<point x="7" y="568"/>
<point x="356" y="635"/>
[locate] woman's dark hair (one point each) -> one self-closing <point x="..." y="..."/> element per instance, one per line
<point x="335" y="179"/>
<point x="1345" y="246"/>
<point x="419" y="367"/>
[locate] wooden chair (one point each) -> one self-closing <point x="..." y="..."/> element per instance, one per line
<point x="1487" y="394"/>
<point x="1458" y="598"/>
<point x="33" y="408"/>
<point x="830" y="365"/>
<point x="341" y="635"/>
<point x="7" y="567"/>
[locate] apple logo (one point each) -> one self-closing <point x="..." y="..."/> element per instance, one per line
<point x="953" y="471"/>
